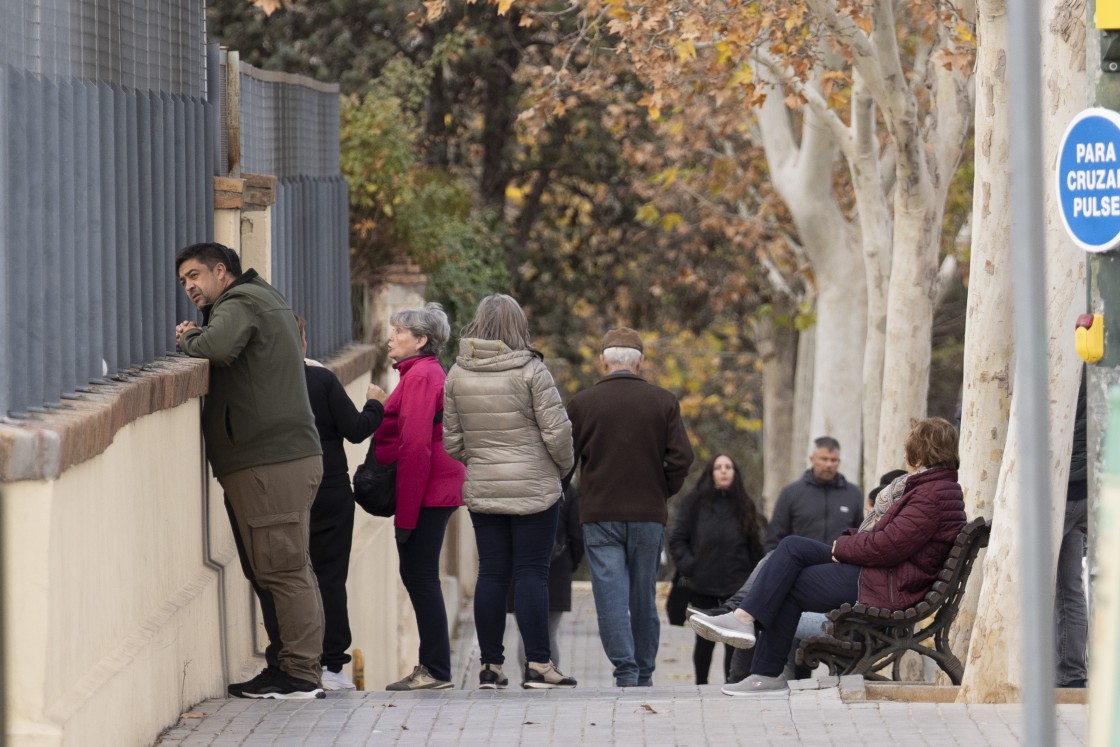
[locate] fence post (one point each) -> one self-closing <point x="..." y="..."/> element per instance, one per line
<point x="256" y="224"/>
<point x="233" y="112"/>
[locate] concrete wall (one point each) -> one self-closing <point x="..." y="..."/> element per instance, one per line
<point x="124" y="601"/>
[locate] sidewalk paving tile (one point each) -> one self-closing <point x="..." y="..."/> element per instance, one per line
<point x="673" y="712"/>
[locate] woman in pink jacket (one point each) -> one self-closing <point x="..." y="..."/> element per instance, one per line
<point x="429" y="483"/>
<point x="890" y="562"/>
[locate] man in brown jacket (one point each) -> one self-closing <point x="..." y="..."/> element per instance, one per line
<point x="633" y="453"/>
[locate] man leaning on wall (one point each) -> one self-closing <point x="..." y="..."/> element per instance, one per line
<point x="262" y="445"/>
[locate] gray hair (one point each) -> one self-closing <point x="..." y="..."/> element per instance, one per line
<point x="430" y="321"/>
<point x="622" y="357"/>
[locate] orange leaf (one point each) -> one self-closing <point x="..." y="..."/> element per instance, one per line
<point x="268" y="6"/>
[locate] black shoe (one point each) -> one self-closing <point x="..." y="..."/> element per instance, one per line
<point x="549" y="678"/>
<point x="237" y="689"/>
<point x="282" y="686"/>
<point x="490" y="677"/>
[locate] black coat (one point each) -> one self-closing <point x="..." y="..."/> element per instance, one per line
<point x="337" y="418"/>
<point x="708" y="546"/>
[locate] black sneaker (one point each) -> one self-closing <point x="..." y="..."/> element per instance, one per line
<point x="549" y="678"/>
<point x="282" y="686"/>
<point x="237" y="689"/>
<point x="490" y="677"/>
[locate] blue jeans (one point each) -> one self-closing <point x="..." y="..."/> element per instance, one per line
<point x="419" y="569"/>
<point x="799" y="576"/>
<point x="518" y="548"/>
<point x="623" y="557"/>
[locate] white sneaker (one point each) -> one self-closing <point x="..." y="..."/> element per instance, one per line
<point x="336" y="681"/>
<point x="725" y="628"/>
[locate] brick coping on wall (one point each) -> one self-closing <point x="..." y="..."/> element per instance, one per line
<point x="45" y="446"/>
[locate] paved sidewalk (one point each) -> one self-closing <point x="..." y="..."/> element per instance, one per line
<point x="673" y="712"/>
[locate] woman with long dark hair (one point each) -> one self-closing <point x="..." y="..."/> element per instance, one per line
<point x="716" y="541"/>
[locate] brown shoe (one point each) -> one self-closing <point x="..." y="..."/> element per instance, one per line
<point x="420" y="679"/>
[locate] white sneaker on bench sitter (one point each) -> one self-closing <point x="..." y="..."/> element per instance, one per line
<point x="757" y="684"/>
<point x="726" y="628"/>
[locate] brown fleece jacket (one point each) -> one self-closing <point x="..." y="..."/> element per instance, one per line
<point x="632" y="449"/>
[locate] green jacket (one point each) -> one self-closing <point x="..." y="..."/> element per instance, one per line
<point x="257" y="411"/>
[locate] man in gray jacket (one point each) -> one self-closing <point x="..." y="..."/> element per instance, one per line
<point x="263" y="447"/>
<point x="820" y="504"/>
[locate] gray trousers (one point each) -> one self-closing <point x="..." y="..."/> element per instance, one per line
<point x="1071" y="615"/>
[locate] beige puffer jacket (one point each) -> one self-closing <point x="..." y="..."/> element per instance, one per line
<point x="503" y="418"/>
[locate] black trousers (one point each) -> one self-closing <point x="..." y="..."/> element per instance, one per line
<point x="702" y="652"/>
<point x="419" y="570"/>
<point x="800" y="576"/>
<point x="332" y="536"/>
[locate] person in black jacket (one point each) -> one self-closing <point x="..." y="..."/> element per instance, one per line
<point x="1071" y="622"/>
<point x="819" y="505"/>
<point x="332" y="514"/>
<point x="715" y="543"/>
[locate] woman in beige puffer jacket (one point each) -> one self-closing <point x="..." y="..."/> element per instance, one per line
<point x="503" y="418"/>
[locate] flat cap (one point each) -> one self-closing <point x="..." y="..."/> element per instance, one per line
<point x="623" y="337"/>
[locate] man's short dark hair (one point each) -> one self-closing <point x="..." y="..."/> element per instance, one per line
<point x="210" y="253"/>
<point x="828" y="443"/>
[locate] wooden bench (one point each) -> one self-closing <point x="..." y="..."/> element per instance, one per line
<point x="866" y="639"/>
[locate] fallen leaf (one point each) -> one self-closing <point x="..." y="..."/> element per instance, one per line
<point x="193" y="714"/>
<point x="648" y="708"/>
<point x="268" y="6"/>
<point x="528" y="723"/>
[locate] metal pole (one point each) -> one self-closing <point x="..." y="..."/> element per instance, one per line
<point x="3" y="695"/>
<point x="1031" y="379"/>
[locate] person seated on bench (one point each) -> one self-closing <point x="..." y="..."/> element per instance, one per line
<point x="890" y="562"/>
<point x="811" y="624"/>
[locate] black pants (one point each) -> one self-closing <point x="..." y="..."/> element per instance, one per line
<point x="332" y="535"/>
<point x="800" y="576"/>
<point x="419" y="569"/>
<point x="702" y="652"/>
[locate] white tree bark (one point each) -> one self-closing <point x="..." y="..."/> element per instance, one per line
<point x="777" y="347"/>
<point x="993" y="671"/>
<point x="802" y="403"/>
<point x="988" y="348"/>
<point x="927" y="148"/>
<point x="802" y="175"/>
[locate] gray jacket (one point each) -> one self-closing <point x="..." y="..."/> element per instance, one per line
<point x="503" y="418"/>
<point x="821" y="511"/>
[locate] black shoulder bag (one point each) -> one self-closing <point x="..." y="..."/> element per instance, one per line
<point x="375" y="485"/>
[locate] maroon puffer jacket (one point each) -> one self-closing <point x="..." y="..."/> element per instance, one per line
<point x="903" y="554"/>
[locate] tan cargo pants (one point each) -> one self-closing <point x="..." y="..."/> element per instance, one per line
<point x="272" y="504"/>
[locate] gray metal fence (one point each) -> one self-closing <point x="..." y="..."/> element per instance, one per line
<point x="110" y="133"/>
<point x="105" y="147"/>
<point x="289" y="128"/>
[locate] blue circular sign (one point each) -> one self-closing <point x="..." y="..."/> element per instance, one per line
<point x="1089" y="179"/>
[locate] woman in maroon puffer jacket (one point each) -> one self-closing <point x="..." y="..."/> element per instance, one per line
<point x="890" y="563"/>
